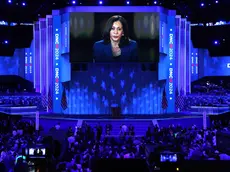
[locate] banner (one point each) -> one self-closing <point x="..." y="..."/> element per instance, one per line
<point x="171" y="64"/>
<point x="196" y="60"/>
<point x="194" y="64"/>
<point x="56" y="63"/>
<point x="28" y="64"/>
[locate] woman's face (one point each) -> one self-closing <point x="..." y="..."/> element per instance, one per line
<point x="116" y="32"/>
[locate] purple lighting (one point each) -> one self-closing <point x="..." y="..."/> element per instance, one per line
<point x="100" y="2"/>
<point x="202" y="4"/>
<point x="217" y="2"/>
<point x="9" y="1"/>
<point x="215" y="42"/>
<point x="23" y="3"/>
<point x="73" y="2"/>
<point x="127" y="2"/>
<point x="155" y="2"/>
<point x="6" y="42"/>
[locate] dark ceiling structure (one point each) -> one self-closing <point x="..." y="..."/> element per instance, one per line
<point x="196" y="11"/>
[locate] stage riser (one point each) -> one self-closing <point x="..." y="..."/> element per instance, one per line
<point x="24" y="110"/>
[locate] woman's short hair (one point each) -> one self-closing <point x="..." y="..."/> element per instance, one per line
<point x="109" y="24"/>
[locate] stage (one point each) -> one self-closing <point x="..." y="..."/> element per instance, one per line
<point x="30" y="112"/>
<point x="139" y="121"/>
<point x="47" y="115"/>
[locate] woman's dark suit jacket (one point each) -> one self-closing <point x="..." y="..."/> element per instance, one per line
<point x="102" y="52"/>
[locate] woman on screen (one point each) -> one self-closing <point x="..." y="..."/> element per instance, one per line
<point x="116" y="45"/>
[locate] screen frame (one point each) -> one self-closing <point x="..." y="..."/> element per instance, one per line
<point x="117" y="9"/>
<point x="64" y="13"/>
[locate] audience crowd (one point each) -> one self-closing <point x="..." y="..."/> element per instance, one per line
<point x="186" y="102"/>
<point x="85" y="144"/>
<point x="15" y="101"/>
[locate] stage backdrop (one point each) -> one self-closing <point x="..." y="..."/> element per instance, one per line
<point x="14" y="65"/>
<point x="104" y="86"/>
<point x="217" y="66"/>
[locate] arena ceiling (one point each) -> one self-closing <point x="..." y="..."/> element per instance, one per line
<point x="216" y="39"/>
<point x="194" y="10"/>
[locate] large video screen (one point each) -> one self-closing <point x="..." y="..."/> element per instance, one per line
<point x="114" y="37"/>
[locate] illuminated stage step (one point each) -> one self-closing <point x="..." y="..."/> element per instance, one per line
<point x="19" y="110"/>
<point x="140" y="127"/>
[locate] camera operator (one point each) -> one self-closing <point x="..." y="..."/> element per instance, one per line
<point x="99" y="132"/>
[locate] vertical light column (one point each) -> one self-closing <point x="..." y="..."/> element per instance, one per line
<point x="56" y="62"/>
<point x="49" y="53"/>
<point x="65" y="24"/>
<point x="162" y="27"/>
<point x="36" y="57"/>
<point x="44" y="57"/>
<point x="49" y="62"/>
<point x="183" y="64"/>
<point x="177" y="52"/>
<point x="163" y="48"/>
<point x="42" y="60"/>
<point x="162" y="33"/>
<point x="65" y="62"/>
<point x="188" y="59"/>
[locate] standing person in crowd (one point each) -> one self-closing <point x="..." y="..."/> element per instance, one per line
<point x="99" y="132"/>
<point x="131" y="130"/>
<point x="108" y="129"/>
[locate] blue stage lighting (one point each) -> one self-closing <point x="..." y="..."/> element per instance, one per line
<point x="217" y="2"/>
<point x="202" y="4"/>
<point x="6" y="42"/>
<point x="74" y="2"/>
<point x="215" y="42"/>
<point x="9" y="1"/>
<point x="155" y="2"/>
<point x="127" y="2"/>
<point x="23" y="4"/>
<point x="100" y="2"/>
